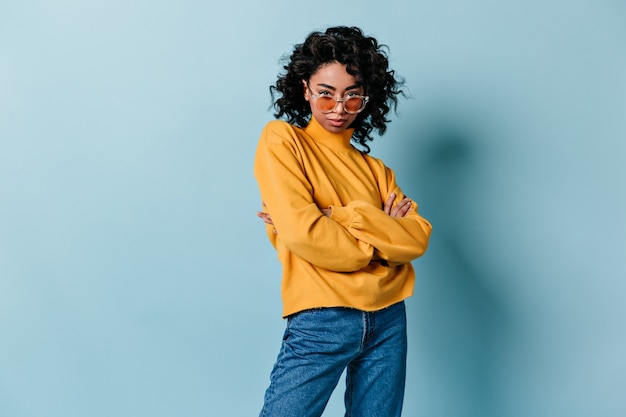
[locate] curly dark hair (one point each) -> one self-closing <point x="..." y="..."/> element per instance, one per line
<point x="364" y="58"/>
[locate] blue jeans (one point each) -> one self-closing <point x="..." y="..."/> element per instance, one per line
<point x="318" y="345"/>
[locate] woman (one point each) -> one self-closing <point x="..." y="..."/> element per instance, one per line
<point x="344" y="231"/>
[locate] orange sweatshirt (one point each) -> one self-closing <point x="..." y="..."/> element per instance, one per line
<point x="359" y="257"/>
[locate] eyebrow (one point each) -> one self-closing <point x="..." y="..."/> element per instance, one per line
<point x="330" y="87"/>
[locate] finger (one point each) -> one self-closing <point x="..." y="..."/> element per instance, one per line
<point x="389" y="203"/>
<point x="265" y="217"/>
<point x="402" y="208"/>
<point x="405" y="209"/>
<point x="395" y="209"/>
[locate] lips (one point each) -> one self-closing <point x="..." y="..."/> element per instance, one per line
<point x="336" y="122"/>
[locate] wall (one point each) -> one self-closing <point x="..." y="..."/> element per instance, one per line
<point x="136" y="280"/>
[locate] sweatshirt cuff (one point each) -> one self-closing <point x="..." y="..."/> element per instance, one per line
<point x="343" y="215"/>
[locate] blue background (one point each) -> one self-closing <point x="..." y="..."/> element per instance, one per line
<point x="136" y="280"/>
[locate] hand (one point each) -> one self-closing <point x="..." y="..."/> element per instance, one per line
<point x="401" y="209"/>
<point x="265" y="217"/>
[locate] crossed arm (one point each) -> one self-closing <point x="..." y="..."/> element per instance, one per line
<point x="362" y="231"/>
<point x="399" y="210"/>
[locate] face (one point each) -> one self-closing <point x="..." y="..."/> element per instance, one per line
<point x="332" y="80"/>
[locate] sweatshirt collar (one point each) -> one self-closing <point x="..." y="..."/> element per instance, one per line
<point x="335" y="141"/>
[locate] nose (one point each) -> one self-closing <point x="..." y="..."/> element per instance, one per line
<point x="339" y="109"/>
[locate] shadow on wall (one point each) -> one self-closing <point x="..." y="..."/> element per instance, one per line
<point x="460" y="323"/>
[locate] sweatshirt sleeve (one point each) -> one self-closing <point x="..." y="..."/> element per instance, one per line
<point x="288" y="195"/>
<point x="396" y="239"/>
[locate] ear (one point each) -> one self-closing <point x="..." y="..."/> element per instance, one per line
<point x="306" y="90"/>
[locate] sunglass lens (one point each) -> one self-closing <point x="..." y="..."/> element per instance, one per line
<point x="353" y="104"/>
<point x="325" y="103"/>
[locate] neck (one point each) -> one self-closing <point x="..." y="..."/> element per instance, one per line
<point x="336" y="141"/>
